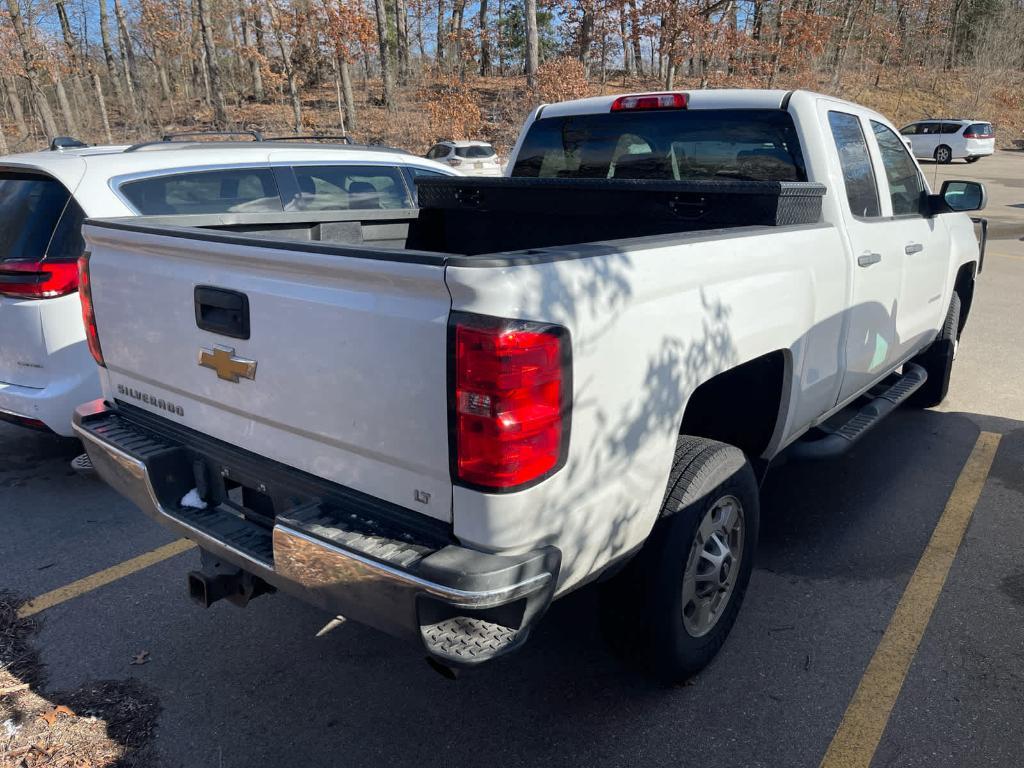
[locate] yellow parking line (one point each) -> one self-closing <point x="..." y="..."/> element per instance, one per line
<point x="104" y="577"/>
<point x="861" y="728"/>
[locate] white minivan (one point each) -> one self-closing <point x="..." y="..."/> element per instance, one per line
<point x="948" y="140"/>
<point x="45" y="365"/>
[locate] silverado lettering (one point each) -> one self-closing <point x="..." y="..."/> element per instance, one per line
<point x="148" y="399"/>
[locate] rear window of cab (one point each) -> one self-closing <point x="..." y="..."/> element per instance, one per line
<point x="748" y="144"/>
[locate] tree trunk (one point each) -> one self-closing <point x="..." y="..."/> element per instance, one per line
<point x="586" y="38"/>
<point x="3" y="143"/>
<point x="108" y="53"/>
<point x="136" y="91"/>
<point x="532" y="43"/>
<point x="220" y="110"/>
<point x="289" y="66"/>
<point x="31" y="70"/>
<point x="346" y="88"/>
<point x="458" y="15"/>
<point x="386" y="68"/>
<point x="439" y="53"/>
<point x="16" y="111"/>
<point x="103" y="106"/>
<point x="255" y="72"/>
<point x="634" y="35"/>
<point x="500" y="41"/>
<point x="627" y="51"/>
<point x="337" y="95"/>
<point x="65" y="107"/>
<point x="485" y="42"/>
<point x="402" y="38"/>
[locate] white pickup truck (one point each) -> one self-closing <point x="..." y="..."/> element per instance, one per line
<point x="435" y="421"/>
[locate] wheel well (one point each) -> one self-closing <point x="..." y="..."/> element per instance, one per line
<point x="964" y="288"/>
<point x="740" y="406"/>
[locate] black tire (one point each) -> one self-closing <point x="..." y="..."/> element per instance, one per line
<point x="937" y="360"/>
<point x="943" y="155"/>
<point x="642" y="607"/>
<point x="973" y="158"/>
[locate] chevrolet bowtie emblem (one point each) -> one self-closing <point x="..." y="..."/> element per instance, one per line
<point x="228" y="367"/>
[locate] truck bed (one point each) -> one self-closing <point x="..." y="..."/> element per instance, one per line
<point x="473" y="217"/>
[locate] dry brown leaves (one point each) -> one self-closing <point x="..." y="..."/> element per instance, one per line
<point x="98" y="725"/>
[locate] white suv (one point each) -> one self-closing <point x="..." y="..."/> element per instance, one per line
<point x="472" y="158"/>
<point x="45" y="365"/>
<point x="947" y="140"/>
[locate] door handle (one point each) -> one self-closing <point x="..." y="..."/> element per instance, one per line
<point x="221" y="311"/>
<point x="867" y="259"/>
<point x="914" y="248"/>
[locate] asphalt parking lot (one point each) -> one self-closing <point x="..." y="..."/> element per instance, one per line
<point x="822" y="646"/>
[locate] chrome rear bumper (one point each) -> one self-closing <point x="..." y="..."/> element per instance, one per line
<point x="464" y="606"/>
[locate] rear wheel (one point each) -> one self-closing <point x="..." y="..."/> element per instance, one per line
<point x="943" y="155"/>
<point x="674" y="605"/>
<point x="937" y="360"/>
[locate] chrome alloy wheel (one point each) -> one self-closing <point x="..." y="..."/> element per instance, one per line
<point x="713" y="566"/>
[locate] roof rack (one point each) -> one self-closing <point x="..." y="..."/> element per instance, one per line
<point x="168" y="138"/>
<point x="60" y="143"/>
<point x="344" y="139"/>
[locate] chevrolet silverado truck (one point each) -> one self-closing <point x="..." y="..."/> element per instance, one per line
<point x="435" y="421"/>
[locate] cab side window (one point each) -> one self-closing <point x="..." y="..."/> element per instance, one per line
<point x="906" y="189"/>
<point x="909" y="130"/>
<point x="858" y="175"/>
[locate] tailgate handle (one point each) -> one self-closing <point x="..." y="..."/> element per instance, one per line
<point x="223" y="312"/>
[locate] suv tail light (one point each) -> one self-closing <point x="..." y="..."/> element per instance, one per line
<point x="648" y="101"/>
<point x="511" y="392"/>
<point x="38" y="279"/>
<point x="88" y="311"/>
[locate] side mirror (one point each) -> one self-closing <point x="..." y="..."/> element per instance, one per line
<point x="959" y="196"/>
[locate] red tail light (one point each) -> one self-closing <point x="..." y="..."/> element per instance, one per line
<point x="88" y="312"/>
<point x="979" y="135"/>
<point x="510" y="401"/>
<point x="38" y="279"/>
<point x="648" y="101"/>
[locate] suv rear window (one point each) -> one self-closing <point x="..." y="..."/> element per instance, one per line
<point x="476" y="152"/>
<point x="235" y="190"/>
<point x="981" y="130"/>
<point x="749" y="144"/>
<point x="33" y="223"/>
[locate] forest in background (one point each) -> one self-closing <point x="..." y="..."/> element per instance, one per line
<point x="409" y="72"/>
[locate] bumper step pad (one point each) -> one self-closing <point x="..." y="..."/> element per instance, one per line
<point x="466" y="639"/>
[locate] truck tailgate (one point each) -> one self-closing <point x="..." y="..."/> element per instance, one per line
<point x="349" y="374"/>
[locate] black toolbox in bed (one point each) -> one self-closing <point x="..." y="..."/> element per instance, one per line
<point x="474" y="216"/>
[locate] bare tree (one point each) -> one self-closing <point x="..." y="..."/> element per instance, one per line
<point x="532" y="42"/>
<point x="386" y="59"/>
<point x="249" y="41"/>
<point x="289" y="65"/>
<point x="220" y="111"/>
<point x="485" y="47"/>
<point x="32" y="69"/>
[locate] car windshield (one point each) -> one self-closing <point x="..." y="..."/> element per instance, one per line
<point x="750" y="144"/>
<point x="30" y="207"/>
<point x="475" y="152"/>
